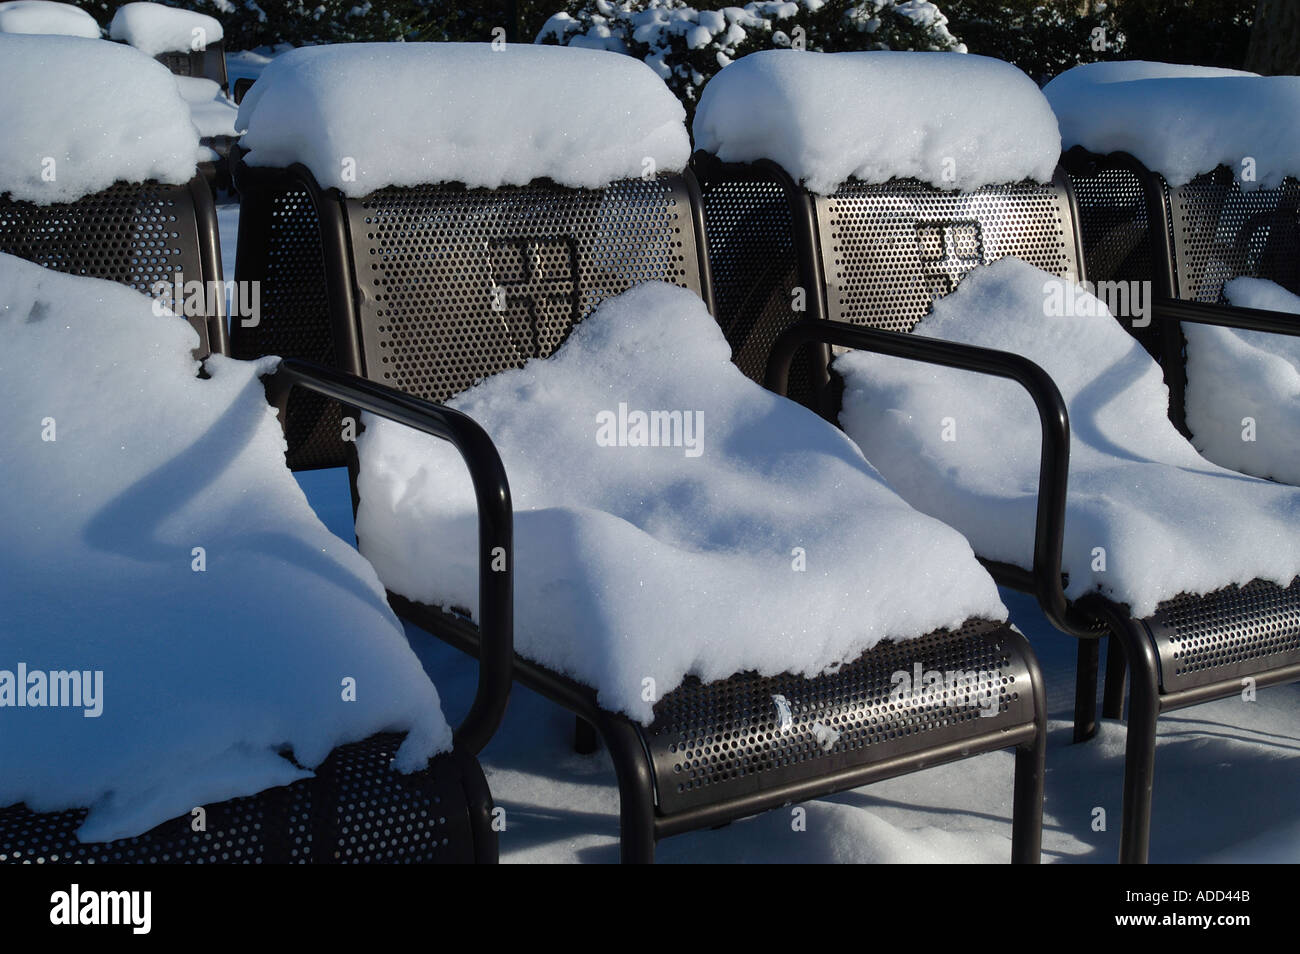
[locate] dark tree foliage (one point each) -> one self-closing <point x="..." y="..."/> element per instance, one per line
<point x="1043" y="39"/>
<point x="1275" y="38"/>
<point x="1200" y="32"/>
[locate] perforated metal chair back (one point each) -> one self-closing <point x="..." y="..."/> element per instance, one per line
<point x="1214" y="229"/>
<point x="890" y="251"/>
<point x="208" y="63"/>
<point x="146" y="235"/>
<point x="877" y="255"/>
<point x="431" y="288"/>
<point x="1222" y="231"/>
<point x="1184" y="242"/>
<point x="1114" y="224"/>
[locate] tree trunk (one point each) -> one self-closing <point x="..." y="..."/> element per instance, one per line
<point x="1275" y="38"/>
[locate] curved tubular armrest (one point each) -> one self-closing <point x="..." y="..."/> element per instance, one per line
<point x="1226" y="316"/>
<point x="495" y="522"/>
<point x="1054" y="461"/>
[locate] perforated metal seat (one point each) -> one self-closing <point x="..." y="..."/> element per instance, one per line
<point x="712" y="741"/>
<point x="432" y="288"/>
<point x="876" y="257"/>
<point x="143" y="235"/>
<point x="355" y="810"/>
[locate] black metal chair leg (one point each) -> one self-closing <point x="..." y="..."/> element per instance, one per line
<point x="1027" y="801"/>
<point x="1112" y="703"/>
<point x="1031" y="767"/>
<point x="1085" y="690"/>
<point x="585" y="740"/>
<point x="1131" y="636"/>
<point x="1140" y="750"/>
<point x="636" y="807"/>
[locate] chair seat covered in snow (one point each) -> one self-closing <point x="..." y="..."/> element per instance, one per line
<point x="519" y="268"/>
<point x="828" y="235"/>
<point x="1186" y="179"/>
<point x="98" y="175"/>
<point x="195" y="668"/>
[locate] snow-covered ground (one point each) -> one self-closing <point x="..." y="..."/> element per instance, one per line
<point x="1227" y="786"/>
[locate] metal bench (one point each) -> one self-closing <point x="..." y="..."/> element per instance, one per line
<point x="430" y="288"/>
<point x="866" y="262"/>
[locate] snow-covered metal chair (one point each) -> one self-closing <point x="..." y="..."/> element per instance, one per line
<point x="841" y="221"/>
<point x="187" y="43"/>
<point x="144" y="217"/>
<point x="183" y="714"/>
<point x="192" y="46"/>
<point x="433" y="267"/>
<point x="1184" y="208"/>
<point x="91" y="218"/>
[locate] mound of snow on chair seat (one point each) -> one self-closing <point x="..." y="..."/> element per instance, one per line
<point x="78" y="115"/>
<point x="965" y="448"/>
<point x="638" y="563"/>
<point x="153" y="28"/>
<point x="212" y="113"/>
<point x="1233" y="375"/>
<point x="207" y="676"/>
<point x="876" y="116"/>
<point x="1182" y="121"/>
<point x="363" y="116"/>
<point x="47" y="17"/>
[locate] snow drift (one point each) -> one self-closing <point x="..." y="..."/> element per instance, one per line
<point x="760" y="539"/>
<point x="1147" y="517"/>
<point x="829" y="117"/>
<point x="362" y="116"/>
<point x="79" y="115"/>
<point x="153" y="535"/>
<point x="1182" y="121"/>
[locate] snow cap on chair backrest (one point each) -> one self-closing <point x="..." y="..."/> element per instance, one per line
<point x="47" y="17"/>
<point x="363" y="116"/>
<point x="153" y="28"/>
<point x="77" y="115"/>
<point x="1182" y="121"/>
<point x="953" y="120"/>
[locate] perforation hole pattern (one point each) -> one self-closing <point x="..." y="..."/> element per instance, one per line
<point x="1113" y="220"/>
<point x="1222" y="231"/>
<point x="457" y="285"/>
<point x="355" y="810"/>
<point x="1251" y="628"/>
<point x="295" y="323"/>
<point x="713" y="740"/>
<point x="752" y="257"/>
<point x="136" y="235"/>
<point x="889" y="251"/>
<point x="1117" y="246"/>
